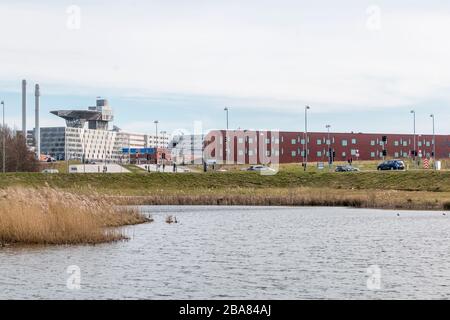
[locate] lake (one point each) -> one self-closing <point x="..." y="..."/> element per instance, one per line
<point x="246" y="253"/>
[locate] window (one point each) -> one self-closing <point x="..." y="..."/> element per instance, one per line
<point x="241" y="140"/>
<point x="241" y="152"/>
<point x="293" y="153"/>
<point x="396" y="143"/>
<point x="405" y="143"/>
<point x="353" y="141"/>
<point x="372" y="154"/>
<point x="293" y="141"/>
<point x="419" y="143"/>
<point x="277" y="141"/>
<point x="353" y="152"/>
<point x="250" y="140"/>
<point x="267" y="141"/>
<point x="428" y="143"/>
<point x="250" y="152"/>
<point x="344" y="143"/>
<point x="302" y="141"/>
<point x="372" y="142"/>
<point x="344" y="154"/>
<point x="396" y="154"/>
<point x="319" y="153"/>
<point x="319" y="142"/>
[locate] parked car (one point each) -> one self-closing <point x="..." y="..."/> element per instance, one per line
<point x="259" y="168"/>
<point x="346" y="168"/>
<point x="391" y="165"/>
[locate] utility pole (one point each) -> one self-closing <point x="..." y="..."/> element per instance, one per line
<point x="4" y="138"/>
<point x="306" y="137"/>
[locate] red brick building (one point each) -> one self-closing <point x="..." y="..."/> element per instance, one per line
<point x="252" y="147"/>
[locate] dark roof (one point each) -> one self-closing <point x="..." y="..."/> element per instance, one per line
<point x="78" y="114"/>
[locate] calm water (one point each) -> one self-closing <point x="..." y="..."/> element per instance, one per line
<point x="247" y="252"/>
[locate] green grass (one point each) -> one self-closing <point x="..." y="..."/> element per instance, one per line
<point x="146" y="183"/>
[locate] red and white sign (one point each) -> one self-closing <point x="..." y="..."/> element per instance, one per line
<point x="426" y="164"/>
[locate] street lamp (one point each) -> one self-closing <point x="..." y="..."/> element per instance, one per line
<point x="156" y="131"/>
<point x="414" y="127"/>
<point x="4" y="138"/>
<point x="329" y="144"/>
<point x="226" y="136"/>
<point x="226" y="110"/>
<point x="434" y="143"/>
<point x="305" y="156"/>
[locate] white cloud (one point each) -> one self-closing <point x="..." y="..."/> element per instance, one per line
<point x="284" y="55"/>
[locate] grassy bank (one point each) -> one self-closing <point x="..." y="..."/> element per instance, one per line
<point x="48" y="216"/>
<point x="142" y="184"/>
<point x="291" y="186"/>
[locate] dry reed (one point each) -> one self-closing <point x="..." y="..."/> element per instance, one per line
<point x="381" y="199"/>
<point x="49" y="216"/>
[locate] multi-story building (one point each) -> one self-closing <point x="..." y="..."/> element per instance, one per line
<point x="252" y="147"/>
<point x="95" y="143"/>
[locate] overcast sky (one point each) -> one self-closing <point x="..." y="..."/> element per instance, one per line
<point x="360" y="65"/>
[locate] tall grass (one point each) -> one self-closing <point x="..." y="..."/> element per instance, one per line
<point x="381" y="199"/>
<point x="49" y="216"/>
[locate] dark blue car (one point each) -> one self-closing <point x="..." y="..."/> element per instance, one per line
<point x="391" y="165"/>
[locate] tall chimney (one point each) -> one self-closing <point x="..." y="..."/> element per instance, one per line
<point x="24" y="109"/>
<point x="37" y="130"/>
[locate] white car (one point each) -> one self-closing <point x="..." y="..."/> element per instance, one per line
<point x="50" y="171"/>
<point x="259" y="168"/>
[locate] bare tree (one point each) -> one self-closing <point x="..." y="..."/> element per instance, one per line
<point x="18" y="157"/>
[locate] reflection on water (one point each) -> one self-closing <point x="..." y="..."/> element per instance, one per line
<point x="246" y="252"/>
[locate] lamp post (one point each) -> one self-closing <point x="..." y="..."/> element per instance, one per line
<point x="226" y="110"/>
<point x="4" y="138"/>
<point x="226" y="136"/>
<point x="156" y="133"/>
<point x="414" y="130"/>
<point x="434" y="142"/>
<point x="156" y="142"/>
<point x="305" y="156"/>
<point x="329" y="145"/>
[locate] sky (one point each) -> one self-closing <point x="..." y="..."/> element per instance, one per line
<point x="360" y="65"/>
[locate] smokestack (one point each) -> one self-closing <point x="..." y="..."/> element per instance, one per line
<point x="24" y="108"/>
<point x="37" y="130"/>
